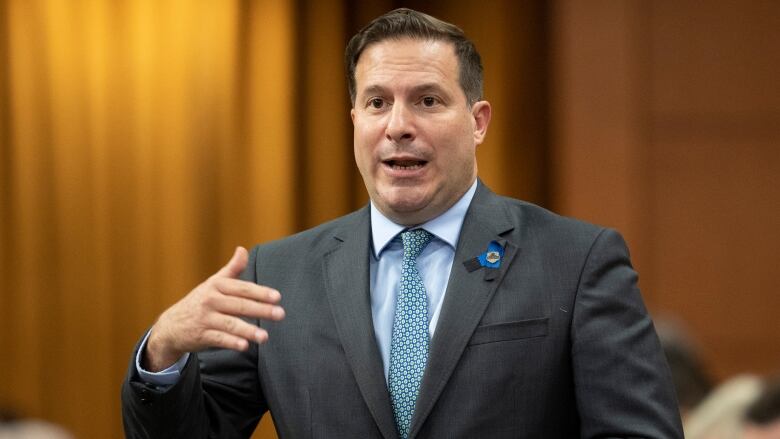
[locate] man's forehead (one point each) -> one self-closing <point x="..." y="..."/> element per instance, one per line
<point x="432" y="45"/>
<point x="431" y="60"/>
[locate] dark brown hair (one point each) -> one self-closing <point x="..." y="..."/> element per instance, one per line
<point x="406" y="23"/>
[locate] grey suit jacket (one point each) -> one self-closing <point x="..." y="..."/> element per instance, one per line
<point x="556" y="343"/>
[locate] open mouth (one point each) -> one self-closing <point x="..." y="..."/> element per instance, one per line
<point x="405" y="165"/>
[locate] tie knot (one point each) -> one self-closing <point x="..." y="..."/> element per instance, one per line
<point x="415" y="241"/>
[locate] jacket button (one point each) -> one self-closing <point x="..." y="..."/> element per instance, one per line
<point x="145" y="396"/>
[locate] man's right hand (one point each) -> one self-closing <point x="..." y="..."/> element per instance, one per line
<point x="210" y="316"/>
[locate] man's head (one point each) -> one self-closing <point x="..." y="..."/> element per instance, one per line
<point x="417" y="113"/>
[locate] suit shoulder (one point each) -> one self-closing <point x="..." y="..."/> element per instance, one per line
<point x="316" y="239"/>
<point x="561" y="238"/>
<point x="543" y="224"/>
<point x="538" y="215"/>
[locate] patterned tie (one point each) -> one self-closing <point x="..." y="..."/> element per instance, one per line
<point x="409" y="346"/>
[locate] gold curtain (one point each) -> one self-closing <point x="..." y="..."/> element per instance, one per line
<point x="141" y="140"/>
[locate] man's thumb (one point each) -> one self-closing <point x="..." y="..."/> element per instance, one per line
<point x="236" y="264"/>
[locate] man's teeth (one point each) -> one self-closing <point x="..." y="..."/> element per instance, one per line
<point x="406" y="166"/>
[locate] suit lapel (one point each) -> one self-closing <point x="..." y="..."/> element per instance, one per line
<point x="346" y="271"/>
<point x="467" y="297"/>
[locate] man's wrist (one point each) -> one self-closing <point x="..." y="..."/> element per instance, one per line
<point x="166" y="377"/>
<point x="155" y="357"/>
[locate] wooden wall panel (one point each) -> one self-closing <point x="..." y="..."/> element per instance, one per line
<point x="714" y="247"/>
<point x="665" y="125"/>
<point x="715" y="163"/>
<point x="597" y="167"/>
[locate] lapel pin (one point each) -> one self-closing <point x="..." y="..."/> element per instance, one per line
<point x="492" y="256"/>
<point x="490" y="259"/>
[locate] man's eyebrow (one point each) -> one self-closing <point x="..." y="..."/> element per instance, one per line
<point x="428" y="87"/>
<point x="374" y="90"/>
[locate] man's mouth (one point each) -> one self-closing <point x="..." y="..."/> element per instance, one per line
<point x="405" y="165"/>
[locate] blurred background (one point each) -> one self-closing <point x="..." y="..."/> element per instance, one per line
<point x="142" y="140"/>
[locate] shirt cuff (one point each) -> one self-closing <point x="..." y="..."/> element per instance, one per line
<point x="166" y="377"/>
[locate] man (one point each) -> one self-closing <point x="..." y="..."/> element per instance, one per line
<point x="440" y="310"/>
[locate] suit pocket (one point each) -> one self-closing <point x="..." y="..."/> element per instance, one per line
<point x="509" y="331"/>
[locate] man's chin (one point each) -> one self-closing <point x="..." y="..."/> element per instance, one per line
<point x="408" y="212"/>
<point x="406" y="203"/>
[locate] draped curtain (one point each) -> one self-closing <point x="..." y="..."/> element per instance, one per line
<point x="142" y="140"/>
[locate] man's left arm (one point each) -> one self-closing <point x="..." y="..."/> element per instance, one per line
<point x="622" y="381"/>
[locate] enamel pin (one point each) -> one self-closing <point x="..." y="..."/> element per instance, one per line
<point x="490" y="259"/>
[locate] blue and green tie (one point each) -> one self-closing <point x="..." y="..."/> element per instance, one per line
<point x="409" y="345"/>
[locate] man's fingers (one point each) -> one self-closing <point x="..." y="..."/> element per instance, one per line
<point x="218" y="339"/>
<point x="236" y="264"/>
<point x="239" y="306"/>
<point x="248" y="290"/>
<point x="234" y="327"/>
<point x="242" y="307"/>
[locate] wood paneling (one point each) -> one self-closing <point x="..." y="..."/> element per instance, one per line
<point x="666" y="126"/>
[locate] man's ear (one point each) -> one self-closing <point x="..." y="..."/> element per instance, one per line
<point x="481" y="112"/>
<point x="352" y="115"/>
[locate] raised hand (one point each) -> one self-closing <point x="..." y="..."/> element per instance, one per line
<point x="210" y="316"/>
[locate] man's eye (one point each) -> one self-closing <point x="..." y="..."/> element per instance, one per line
<point x="376" y="103"/>
<point x="429" y="101"/>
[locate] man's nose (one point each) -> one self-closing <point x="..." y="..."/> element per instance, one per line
<point x="400" y="126"/>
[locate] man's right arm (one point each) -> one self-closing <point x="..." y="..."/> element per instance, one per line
<point x="211" y="316"/>
<point x="213" y="327"/>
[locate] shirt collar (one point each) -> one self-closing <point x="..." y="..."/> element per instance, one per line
<point x="445" y="227"/>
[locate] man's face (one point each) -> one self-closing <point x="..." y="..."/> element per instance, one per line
<point x="415" y="134"/>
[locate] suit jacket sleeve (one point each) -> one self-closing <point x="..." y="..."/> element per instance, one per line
<point x="622" y="382"/>
<point x="218" y="395"/>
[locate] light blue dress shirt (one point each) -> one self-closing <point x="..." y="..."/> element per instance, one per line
<point x="434" y="264"/>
